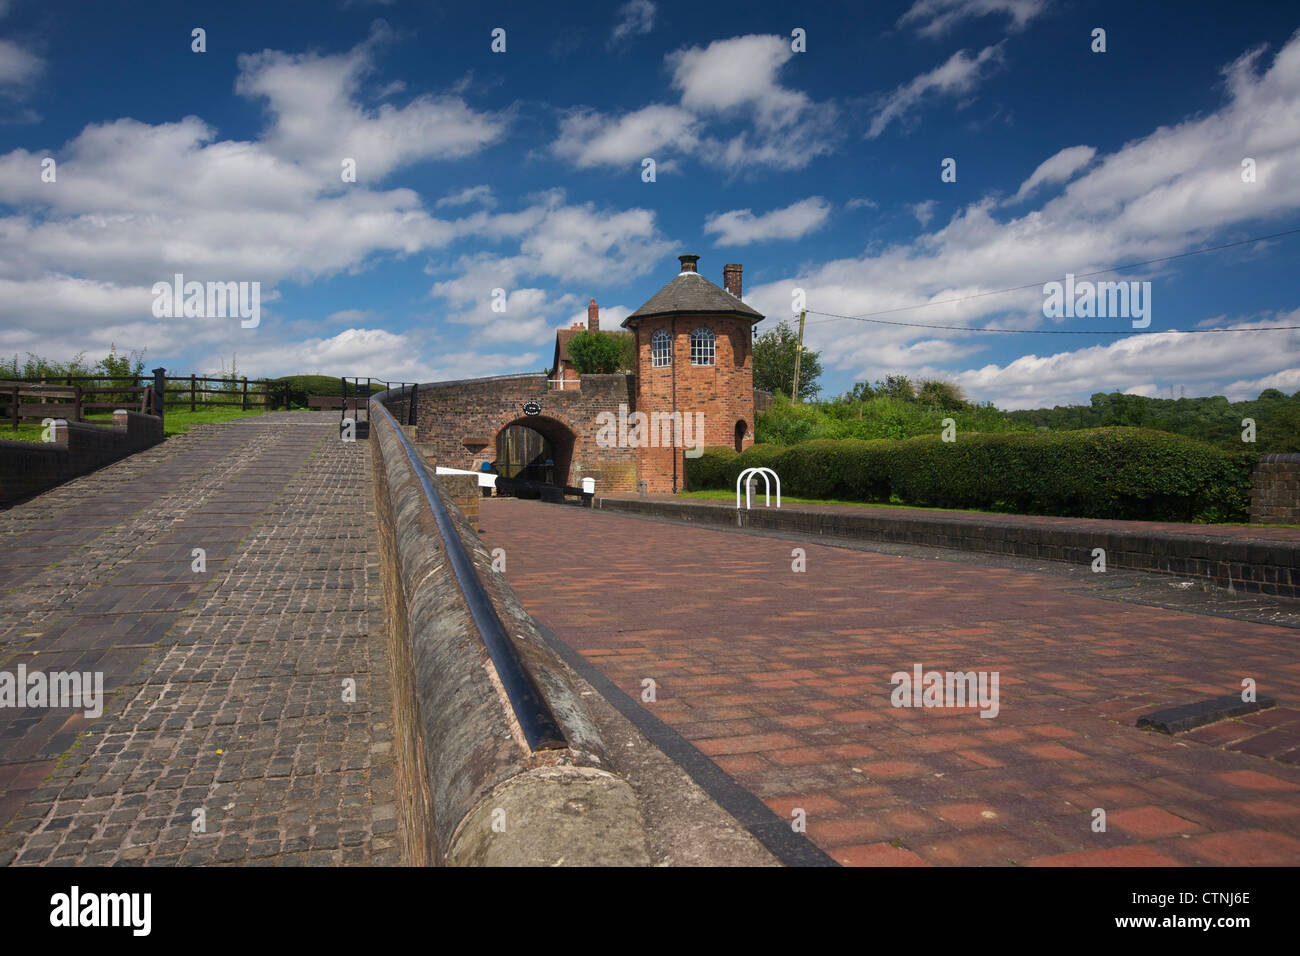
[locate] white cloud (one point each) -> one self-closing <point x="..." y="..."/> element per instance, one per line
<point x="740" y="227"/>
<point x="734" y="80"/>
<point x="317" y="120"/>
<point x="923" y="211"/>
<point x="935" y="17"/>
<point x="741" y="72"/>
<point x="862" y="203"/>
<point x="1175" y="189"/>
<point x="18" y="67"/>
<point x="470" y="194"/>
<point x="1056" y="169"/>
<point x="636" y="17"/>
<point x="958" y="75"/>
<point x="588" y="138"/>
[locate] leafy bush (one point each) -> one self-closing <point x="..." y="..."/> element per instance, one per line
<point x="601" y="352"/>
<point x="878" y="416"/>
<point x="710" y="469"/>
<point x="1125" y="473"/>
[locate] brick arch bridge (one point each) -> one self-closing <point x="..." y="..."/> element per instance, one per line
<point x="458" y="423"/>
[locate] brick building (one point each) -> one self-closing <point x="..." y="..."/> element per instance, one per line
<point x="694" y="367"/>
<point x="694" y="346"/>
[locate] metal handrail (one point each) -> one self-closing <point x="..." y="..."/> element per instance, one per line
<point x="539" y="726"/>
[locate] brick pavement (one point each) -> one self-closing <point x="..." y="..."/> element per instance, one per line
<point x="783" y="679"/>
<point x="226" y="685"/>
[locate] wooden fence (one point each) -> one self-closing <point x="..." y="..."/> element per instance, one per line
<point x="69" y="398"/>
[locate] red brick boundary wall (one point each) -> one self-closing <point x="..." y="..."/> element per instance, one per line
<point x="1275" y="490"/>
<point x="27" y="468"/>
<point x="457" y="423"/>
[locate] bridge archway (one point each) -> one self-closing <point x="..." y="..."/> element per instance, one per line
<point x="536" y="448"/>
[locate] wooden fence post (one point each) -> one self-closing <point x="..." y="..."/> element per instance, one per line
<point x="192" y="387"/>
<point x="14" y="408"/>
<point x="76" y="402"/>
<point x="160" y="393"/>
<point x="243" y="399"/>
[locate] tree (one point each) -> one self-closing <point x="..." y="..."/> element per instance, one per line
<point x="597" y="353"/>
<point x="943" y="395"/>
<point x="897" y="386"/>
<point x="774" y="354"/>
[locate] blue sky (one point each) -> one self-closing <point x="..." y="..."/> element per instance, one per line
<point x="522" y="170"/>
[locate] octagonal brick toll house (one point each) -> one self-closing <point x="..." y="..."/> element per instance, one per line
<point x="693" y="342"/>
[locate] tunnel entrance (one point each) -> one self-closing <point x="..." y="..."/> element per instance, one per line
<point x="535" y="449"/>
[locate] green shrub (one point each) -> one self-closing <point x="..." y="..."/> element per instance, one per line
<point x="1125" y="473"/>
<point x="709" y="470"/>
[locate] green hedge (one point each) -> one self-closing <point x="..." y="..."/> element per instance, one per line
<point x="1127" y="473"/>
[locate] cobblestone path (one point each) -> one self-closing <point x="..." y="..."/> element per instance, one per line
<point x="224" y="687"/>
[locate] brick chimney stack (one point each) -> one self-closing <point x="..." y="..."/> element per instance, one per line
<point x="593" y="317"/>
<point x="731" y="278"/>
<point x="688" y="263"/>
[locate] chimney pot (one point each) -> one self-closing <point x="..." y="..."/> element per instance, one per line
<point x="731" y="278"/>
<point x="688" y="263"/>
<point x="593" y="316"/>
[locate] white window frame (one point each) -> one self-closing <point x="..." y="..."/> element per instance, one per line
<point x="704" y="345"/>
<point x="661" y="358"/>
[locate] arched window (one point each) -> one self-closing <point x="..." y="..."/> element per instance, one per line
<point x="661" y="349"/>
<point x="702" y="346"/>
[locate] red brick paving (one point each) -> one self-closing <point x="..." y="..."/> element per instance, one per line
<point x="783" y="679"/>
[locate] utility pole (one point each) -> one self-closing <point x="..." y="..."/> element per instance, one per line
<point x="798" y="354"/>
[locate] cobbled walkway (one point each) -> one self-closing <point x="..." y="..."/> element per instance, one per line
<point x="226" y="735"/>
<point x="783" y="679"/>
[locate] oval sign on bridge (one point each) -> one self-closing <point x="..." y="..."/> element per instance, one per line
<point x="532" y="408"/>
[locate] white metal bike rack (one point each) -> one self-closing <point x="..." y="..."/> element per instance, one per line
<point x="767" y="486"/>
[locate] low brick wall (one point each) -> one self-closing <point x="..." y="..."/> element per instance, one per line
<point x="471" y="790"/>
<point x="1268" y="566"/>
<point x="1275" y="490"/>
<point x="27" y="468"/>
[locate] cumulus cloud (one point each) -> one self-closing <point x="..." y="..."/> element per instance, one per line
<point x="740" y="227"/>
<point x="588" y="138"/>
<point x="729" y="81"/>
<point x="1056" y="169"/>
<point x="317" y="119"/>
<point x="467" y="196"/>
<point x="636" y="17"/>
<point x="933" y="18"/>
<point x="1177" y="188"/>
<point x="958" y="75"/>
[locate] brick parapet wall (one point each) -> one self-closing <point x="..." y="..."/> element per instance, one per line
<point x="1275" y="490"/>
<point x="457" y="423"/>
<point x="1249" y="565"/>
<point x="27" y="468"/>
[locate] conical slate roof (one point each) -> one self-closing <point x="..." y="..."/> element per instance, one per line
<point x="692" y="294"/>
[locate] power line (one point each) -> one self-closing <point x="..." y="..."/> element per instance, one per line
<point x="869" y="317"/>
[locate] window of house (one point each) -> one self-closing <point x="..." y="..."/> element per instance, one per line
<point x="702" y="346"/>
<point x="661" y="349"/>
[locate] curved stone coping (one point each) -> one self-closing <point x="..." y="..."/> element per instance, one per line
<point x="463" y="755"/>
